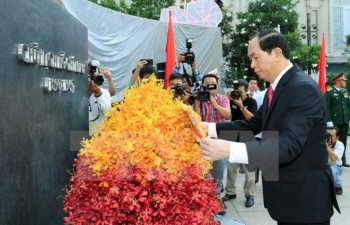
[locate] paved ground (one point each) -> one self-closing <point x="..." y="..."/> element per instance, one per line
<point x="258" y="215"/>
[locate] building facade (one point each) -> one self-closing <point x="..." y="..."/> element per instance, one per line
<point x="331" y="17"/>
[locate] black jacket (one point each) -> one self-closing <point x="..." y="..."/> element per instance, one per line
<point x="297" y="180"/>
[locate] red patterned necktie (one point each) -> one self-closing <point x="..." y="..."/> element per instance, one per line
<point x="270" y="93"/>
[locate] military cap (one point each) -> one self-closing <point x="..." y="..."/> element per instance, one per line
<point x="339" y="77"/>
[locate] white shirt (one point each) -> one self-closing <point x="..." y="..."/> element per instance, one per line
<point x="238" y="151"/>
<point x="98" y="107"/>
<point x="338" y="149"/>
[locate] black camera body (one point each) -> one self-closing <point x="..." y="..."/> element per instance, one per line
<point x="97" y="78"/>
<point x="189" y="56"/>
<point x="203" y="94"/>
<point x="179" y="89"/>
<point x="149" y="61"/>
<point x="235" y="95"/>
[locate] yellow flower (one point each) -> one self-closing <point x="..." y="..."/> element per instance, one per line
<point x="149" y="131"/>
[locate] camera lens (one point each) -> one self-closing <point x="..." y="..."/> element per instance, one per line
<point x="98" y="79"/>
<point x="235" y="95"/>
<point x="189" y="58"/>
<point x="179" y="89"/>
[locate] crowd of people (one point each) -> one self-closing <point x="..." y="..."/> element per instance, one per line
<point x="295" y="130"/>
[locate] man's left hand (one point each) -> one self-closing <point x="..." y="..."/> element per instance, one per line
<point x="213" y="102"/>
<point x="238" y="102"/>
<point x="107" y="74"/>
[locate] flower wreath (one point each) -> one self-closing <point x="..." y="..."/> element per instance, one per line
<point x="143" y="166"/>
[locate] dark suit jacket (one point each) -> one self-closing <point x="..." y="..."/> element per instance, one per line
<point x="297" y="179"/>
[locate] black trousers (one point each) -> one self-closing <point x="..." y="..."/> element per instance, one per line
<point x="324" y="223"/>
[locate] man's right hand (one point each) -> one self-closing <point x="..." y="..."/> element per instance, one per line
<point x="140" y="64"/>
<point x="93" y="88"/>
<point x="180" y="58"/>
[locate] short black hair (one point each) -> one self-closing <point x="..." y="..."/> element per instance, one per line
<point x="242" y="83"/>
<point x="251" y="78"/>
<point x="271" y="39"/>
<point x="147" y="69"/>
<point x="210" y="75"/>
<point x="174" y="76"/>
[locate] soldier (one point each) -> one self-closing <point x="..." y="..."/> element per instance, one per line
<point x="338" y="110"/>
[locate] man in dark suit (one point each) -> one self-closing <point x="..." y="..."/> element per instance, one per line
<point x="338" y="110"/>
<point x="297" y="180"/>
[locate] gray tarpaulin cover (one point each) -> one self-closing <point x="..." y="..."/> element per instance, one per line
<point x="119" y="40"/>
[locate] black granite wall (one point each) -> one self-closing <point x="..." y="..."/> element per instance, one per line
<point x="35" y="127"/>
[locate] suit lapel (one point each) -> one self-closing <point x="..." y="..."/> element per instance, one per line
<point x="279" y="89"/>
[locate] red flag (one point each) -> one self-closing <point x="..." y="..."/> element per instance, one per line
<point x="170" y="52"/>
<point x="322" y="67"/>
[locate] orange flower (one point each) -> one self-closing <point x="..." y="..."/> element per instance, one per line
<point x="148" y="130"/>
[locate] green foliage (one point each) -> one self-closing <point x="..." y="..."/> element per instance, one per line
<point x="226" y="31"/>
<point x="348" y="41"/>
<point x="307" y="57"/>
<point x="106" y="3"/>
<point x="263" y="14"/>
<point x="347" y="83"/>
<point x="347" y="50"/>
<point x="149" y="9"/>
<point x="330" y="76"/>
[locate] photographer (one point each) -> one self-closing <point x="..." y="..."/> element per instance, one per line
<point x="335" y="150"/>
<point x="217" y="109"/>
<point x="242" y="107"/>
<point x="99" y="73"/>
<point x="144" y="69"/>
<point x="175" y="82"/>
<point x="99" y="98"/>
<point x="181" y="58"/>
<point x="189" y="58"/>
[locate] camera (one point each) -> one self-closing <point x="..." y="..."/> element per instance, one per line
<point x="149" y="61"/>
<point x="189" y="56"/>
<point x="329" y="137"/>
<point x="179" y="89"/>
<point x="202" y="93"/>
<point x="97" y="78"/>
<point x="235" y="95"/>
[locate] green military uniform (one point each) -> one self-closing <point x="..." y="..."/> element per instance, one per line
<point x="338" y="111"/>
